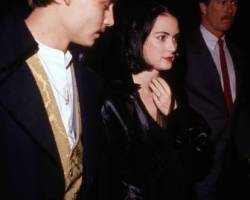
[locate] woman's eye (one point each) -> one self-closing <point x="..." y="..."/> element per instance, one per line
<point x="161" y="37"/>
<point x="175" y="38"/>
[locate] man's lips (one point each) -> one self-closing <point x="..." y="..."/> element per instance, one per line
<point x="227" y="18"/>
<point x="98" y="33"/>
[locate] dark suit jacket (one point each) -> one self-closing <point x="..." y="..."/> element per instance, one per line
<point x="30" y="164"/>
<point x="203" y="85"/>
<point x="205" y="95"/>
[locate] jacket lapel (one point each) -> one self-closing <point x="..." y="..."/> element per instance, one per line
<point x="84" y="99"/>
<point x="209" y="65"/>
<point x="25" y="107"/>
<point x="88" y="85"/>
<point x="205" y="65"/>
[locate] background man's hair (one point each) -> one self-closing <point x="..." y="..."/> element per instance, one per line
<point x="204" y="1"/>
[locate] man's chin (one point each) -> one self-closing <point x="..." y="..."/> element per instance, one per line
<point x="227" y="25"/>
<point x="88" y="43"/>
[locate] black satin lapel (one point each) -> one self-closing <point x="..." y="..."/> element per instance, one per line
<point x="24" y="104"/>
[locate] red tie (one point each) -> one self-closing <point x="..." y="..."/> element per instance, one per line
<point x="225" y="76"/>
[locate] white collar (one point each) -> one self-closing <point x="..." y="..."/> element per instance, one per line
<point x="210" y="39"/>
<point x="54" y="55"/>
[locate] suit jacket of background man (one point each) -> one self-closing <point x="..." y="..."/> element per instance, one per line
<point x="205" y="95"/>
<point x="30" y="163"/>
<point x="203" y="84"/>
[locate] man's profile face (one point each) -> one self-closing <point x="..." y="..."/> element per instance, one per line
<point x="219" y="14"/>
<point x="85" y="20"/>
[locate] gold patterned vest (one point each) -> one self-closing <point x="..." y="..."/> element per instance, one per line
<point x="71" y="159"/>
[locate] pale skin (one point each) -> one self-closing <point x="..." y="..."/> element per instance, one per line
<point x="66" y="21"/>
<point x="154" y="91"/>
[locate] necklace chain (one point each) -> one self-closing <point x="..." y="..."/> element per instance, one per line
<point x="67" y="97"/>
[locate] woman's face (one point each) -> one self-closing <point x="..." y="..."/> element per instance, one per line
<point x="161" y="43"/>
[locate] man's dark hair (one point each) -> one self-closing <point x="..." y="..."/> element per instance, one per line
<point x="204" y="1"/>
<point x="39" y="3"/>
<point x="135" y="31"/>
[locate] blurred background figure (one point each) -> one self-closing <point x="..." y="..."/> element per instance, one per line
<point x="214" y="72"/>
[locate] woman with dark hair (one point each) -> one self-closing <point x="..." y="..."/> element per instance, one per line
<point x="154" y="142"/>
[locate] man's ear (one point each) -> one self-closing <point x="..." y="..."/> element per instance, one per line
<point x="203" y="8"/>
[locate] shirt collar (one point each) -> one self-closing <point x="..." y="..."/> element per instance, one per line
<point x="54" y="55"/>
<point x="210" y="39"/>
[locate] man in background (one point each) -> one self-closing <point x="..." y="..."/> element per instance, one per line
<point x="213" y="83"/>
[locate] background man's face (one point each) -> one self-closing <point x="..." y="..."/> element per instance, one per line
<point x="219" y="14"/>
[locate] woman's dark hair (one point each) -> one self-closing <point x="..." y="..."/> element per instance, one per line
<point x="136" y="29"/>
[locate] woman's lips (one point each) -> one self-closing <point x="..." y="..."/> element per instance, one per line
<point x="169" y="59"/>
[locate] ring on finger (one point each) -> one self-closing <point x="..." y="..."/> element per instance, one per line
<point x="159" y="96"/>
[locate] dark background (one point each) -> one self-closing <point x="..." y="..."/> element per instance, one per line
<point x="104" y="54"/>
<point x="103" y="57"/>
<point x="188" y="11"/>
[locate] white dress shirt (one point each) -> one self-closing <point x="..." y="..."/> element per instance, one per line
<point x="57" y="66"/>
<point x="213" y="46"/>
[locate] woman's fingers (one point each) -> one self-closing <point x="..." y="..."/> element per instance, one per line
<point x="161" y="94"/>
<point x="160" y="87"/>
<point x="164" y="85"/>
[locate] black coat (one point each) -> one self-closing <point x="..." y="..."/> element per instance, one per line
<point x="149" y="162"/>
<point x="30" y="164"/>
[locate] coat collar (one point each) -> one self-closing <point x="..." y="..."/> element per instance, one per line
<point x="16" y="42"/>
